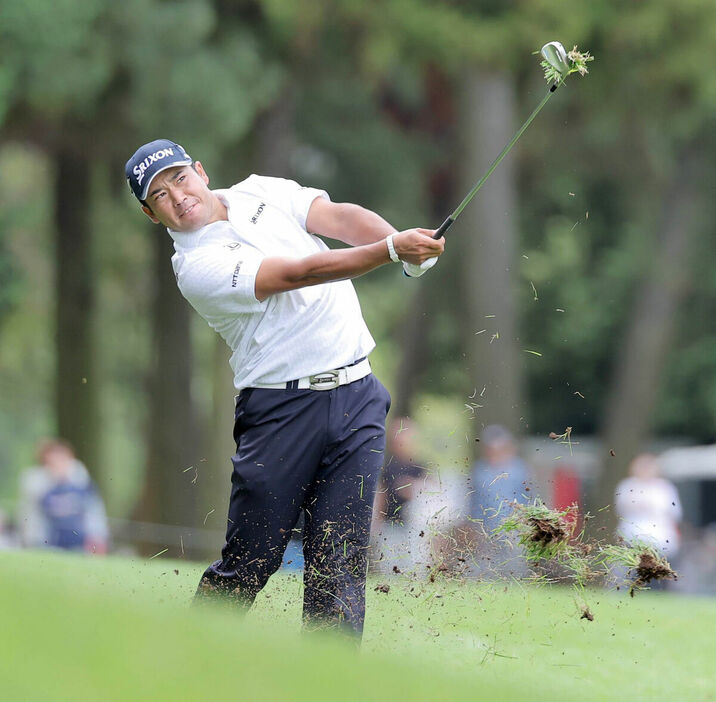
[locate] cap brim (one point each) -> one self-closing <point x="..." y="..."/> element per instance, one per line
<point x="145" y="189"/>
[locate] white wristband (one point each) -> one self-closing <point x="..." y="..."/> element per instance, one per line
<point x="391" y="248"/>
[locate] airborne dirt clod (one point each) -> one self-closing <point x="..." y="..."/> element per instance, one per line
<point x="586" y="613"/>
<point x="546" y="531"/>
<point x="642" y="561"/>
<point x="651" y="567"/>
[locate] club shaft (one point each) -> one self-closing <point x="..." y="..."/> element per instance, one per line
<point x="448" y="222"/>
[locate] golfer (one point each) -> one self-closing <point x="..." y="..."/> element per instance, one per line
<point x="310" y="416"/>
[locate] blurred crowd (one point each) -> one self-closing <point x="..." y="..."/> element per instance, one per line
<point x="429" y="519"/>
<point x="426" y="520"/>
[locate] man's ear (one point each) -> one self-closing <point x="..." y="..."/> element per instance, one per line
<point x="150" y="214"/>
<point x="200" y="170"/>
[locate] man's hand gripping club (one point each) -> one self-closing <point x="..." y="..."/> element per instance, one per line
<point x="414" y="266"/>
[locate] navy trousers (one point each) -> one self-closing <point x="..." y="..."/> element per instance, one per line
<point x="316" y="451"/>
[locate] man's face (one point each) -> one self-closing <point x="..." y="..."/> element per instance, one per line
<point x="180" y="199"/>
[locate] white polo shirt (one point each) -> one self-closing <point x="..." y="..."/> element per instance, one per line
<point x="291" y="334"/>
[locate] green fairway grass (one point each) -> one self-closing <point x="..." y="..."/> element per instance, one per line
<point x="95" y="629"/>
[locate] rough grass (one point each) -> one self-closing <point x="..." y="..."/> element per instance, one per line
<point x="84" y="629"/>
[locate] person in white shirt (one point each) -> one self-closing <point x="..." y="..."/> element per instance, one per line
<point x="648" y="507"/>
<point x="310" y="416"/>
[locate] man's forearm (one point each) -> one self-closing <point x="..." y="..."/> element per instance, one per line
<point x="342" y="263"/>
<point x="278" y="275"/>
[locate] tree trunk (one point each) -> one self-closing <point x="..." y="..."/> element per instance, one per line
<point x="641" y="356"/>
<point x="76" y="384"/>
<point x="413" y="355"/>
<point x="275" y="136"/>
<point x="215" y="476"/>
<point x="486" y="235"/>
<point x="170" y="494"/>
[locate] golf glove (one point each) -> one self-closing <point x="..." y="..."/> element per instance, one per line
<point x="412" y="270"/>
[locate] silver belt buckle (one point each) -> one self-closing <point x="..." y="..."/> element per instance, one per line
<point x="324" y="381"/>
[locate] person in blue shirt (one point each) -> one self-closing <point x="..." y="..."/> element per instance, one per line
<point x="498" y="480"/>
<point x="59" y="504"/>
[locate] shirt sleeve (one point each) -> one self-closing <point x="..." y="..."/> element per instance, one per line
<point x="286" y="194"/>
<point x="220" y="280"/>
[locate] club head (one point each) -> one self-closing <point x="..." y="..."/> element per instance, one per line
<point x="554" y="53"/>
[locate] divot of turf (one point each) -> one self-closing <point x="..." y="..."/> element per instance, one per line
<point x="652" y="567"/>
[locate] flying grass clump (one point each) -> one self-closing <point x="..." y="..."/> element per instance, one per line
<point x="643" y="562"/>
<point x="547" y="537"/>
<point x="543" y="533"/>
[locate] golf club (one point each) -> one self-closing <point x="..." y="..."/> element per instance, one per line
<point x="555" y="55"/>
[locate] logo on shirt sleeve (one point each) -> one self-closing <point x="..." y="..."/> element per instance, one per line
<point x="235" y="276"/>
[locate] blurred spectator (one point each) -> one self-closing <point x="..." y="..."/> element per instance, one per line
<point x="648" y="507"/>
<point x="401" y="475"/>
<point x="499" y="479"/>
<point x="400" y="482"/>
<point x="59" y="504"/>
<point x="438" y="541"/>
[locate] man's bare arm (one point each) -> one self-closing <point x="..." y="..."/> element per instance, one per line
<point x="277" y="275"/>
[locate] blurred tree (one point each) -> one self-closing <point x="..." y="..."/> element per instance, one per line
<point x="489" y="248"/>
<point x="169" y="493"/>
<point x="53" y="113"/>
<point x="77" y="383"/>
<point x="26" y="316"/>
<point x="10" y="281"/>
<point x="639" y="367"/>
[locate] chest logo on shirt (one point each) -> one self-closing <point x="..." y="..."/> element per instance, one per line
<point x="233" y="246"/>
<point x="255" y="218"/>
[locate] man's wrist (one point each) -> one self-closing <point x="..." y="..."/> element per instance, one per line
<point x="391" y="248"/>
